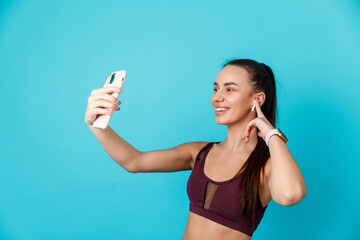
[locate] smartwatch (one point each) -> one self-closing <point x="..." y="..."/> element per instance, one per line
<point x="275" y="131"/>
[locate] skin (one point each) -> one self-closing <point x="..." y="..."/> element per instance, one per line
<point x="226" y="158"/>
<point x="240" y="99"/>
<point x="282" y="180"/>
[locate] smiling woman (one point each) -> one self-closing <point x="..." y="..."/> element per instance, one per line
<point x="238" y="84"/>
<point x="233" y="181"/>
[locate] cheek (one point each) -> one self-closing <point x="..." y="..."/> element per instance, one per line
<point x="240" y="106"/>
<point x="238" y="102"/>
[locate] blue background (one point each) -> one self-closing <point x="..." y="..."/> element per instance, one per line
<point x="57" y="182"/>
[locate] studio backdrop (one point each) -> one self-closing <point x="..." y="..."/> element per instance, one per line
<point x="56" y="180"/>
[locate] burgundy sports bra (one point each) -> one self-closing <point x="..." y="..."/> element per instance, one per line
<point x="219" y="201"/>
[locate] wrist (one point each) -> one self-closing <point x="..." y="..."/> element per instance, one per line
<point x="273" y="138"/>
<point x="277" y="132"/>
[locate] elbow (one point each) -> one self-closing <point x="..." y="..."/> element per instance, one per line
<point x="292" y="197"/>
<point x="130" y="169"/>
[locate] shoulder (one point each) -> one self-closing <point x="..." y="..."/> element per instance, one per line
<point x="194" y="148"/>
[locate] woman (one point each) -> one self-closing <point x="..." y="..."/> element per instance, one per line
<point x="232" y="182"/>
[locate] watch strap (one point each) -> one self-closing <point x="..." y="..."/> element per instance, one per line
<point x="272" y="132"/>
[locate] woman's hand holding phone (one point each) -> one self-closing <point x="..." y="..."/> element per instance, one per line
<point x="102" y="102"/>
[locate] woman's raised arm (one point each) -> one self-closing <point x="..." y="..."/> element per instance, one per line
<point x="168" y="160"/>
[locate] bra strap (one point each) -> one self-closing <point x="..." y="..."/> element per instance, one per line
<point x="202" y="150"/>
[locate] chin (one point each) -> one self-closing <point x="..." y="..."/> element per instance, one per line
<point x="221" y="121"/>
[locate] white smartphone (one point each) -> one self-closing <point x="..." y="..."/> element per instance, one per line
<point x="116" y="80"/>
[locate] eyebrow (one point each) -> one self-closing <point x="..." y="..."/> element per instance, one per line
<point x="226" y="84"/>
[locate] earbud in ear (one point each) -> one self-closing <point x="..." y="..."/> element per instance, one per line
<point x="253" y="107"/>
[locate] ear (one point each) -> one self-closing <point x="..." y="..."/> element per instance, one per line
<point x="261" y="97"/>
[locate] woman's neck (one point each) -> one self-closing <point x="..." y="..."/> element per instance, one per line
<point x="233" y="140"/>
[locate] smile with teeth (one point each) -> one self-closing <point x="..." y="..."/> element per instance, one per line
<point x="220" y="109"/>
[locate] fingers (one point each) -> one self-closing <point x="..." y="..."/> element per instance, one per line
<point x="105" y="104"/>
<point x="248" y="129"/>
<point x="252" y="124"/>
<point x="107" y="90"/>
<point x="102" y="98"/>
<point x="106" y="97"/>
<point x="258" y="109"/>
<point x="102" y="101"/>
<point x="261" y="135"/>
<point x="103" y="111"/>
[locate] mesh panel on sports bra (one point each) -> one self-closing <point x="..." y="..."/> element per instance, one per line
<point x="209" y="194"/>
<point x="210" y="187"/>
<point x="220" y="202"/>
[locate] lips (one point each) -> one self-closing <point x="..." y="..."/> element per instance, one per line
<point x="219" y="110"/>
<point x="220" y="106"/>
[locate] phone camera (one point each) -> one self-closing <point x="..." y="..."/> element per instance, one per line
<point x="112" y="78"/>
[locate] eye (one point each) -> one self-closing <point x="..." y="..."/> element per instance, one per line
<point x="215" y="89"/>
<point x="229" y="89"/>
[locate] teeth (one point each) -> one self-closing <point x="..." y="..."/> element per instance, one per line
<point x="220" y="109"/>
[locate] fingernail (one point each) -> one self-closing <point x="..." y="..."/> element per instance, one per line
<point x="117" y="102"/>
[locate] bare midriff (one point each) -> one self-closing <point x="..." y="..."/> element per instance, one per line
<point x="199" y="228"/>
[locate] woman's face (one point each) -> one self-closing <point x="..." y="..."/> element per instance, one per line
<point x="232" y="93"/>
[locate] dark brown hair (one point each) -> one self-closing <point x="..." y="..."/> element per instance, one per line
<point x="262" y="80"/>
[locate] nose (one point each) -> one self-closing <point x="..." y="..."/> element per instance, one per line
<point x="218" y="96"/>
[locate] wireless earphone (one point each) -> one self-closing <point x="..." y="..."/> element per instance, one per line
<point x="254" y="105"/>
